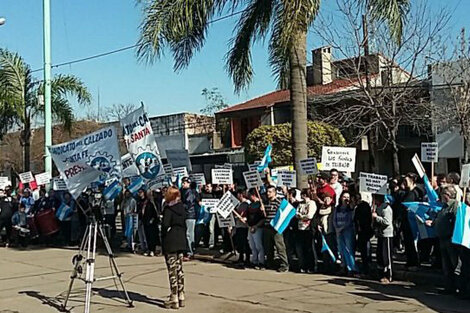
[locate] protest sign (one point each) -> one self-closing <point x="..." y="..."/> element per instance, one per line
<point x="141" y="144"/>
<point x="226" y="165"/>
<point x="4" y="182"/>
<point x="168" y="168"/>
<point x="43" y="178"/>
<point x="223" y="176"/>
<point x="225" y="222"/>
<point x="26" y="177"/>
<point x="198" y="178"/>
<point x="226" y="204"/>
<point x="179" y="158"/>
<point x="465" y="177"/>
<point x="210" y="204"/>
<point x="340" y="158"/>
<point x="180" y="171"/>
<point x="129" y="169"/>
<point x="58" y="184"/>
<point x="286" y="178"/>
<point x="429" y="152"/>
<point x="418" y="165"/>
<point x="252" y="179"/>
<point x="309" y="166"/>
<point x="373" y="183"/>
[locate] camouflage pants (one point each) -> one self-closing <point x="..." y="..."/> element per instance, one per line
<point x="174" y="264"/>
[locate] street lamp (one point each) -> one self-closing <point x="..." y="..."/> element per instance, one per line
<point x="2" y="20"/>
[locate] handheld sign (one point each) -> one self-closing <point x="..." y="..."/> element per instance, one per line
<point x="252" y="179"/>
<point x="168" y="168"/>
<point x="198" y="178"/>
<point x="26" y="177"/>
<point x="179" y="158"/>
<point x="418" y="165"/>
<point x="286" y="178"/>
<point x="225" y="222"/>
<point x="181" y="171"/>
<point x="339" y="158"/>
<point x="210" y="204"/>
<point x="226" y="165"/>
<point x="373" y="183"/>
<point x="429" y="152"/>
<point x="223" y="176"/>
<point x="43" y="178"/>
<point x="465" y="178"/>
<point x="226" y="204"/>
<point x="309" y="166"/>
<point x="4" y="182"/>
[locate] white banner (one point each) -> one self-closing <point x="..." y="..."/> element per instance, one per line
<point x="141" y="144"/>
<point x="429" y="152"/>
<point x="26" y="177"/>
<point x="465" y="177"/>
<point x="226" y="204"/>
<point x="179" y="158"/>
<point x="43" y="178"/>
<point x="129" y="169"/>
<point x="210" y="204"/>
<point x="4" y="182"/>
<point x="373" y="183"/>
<point x="309" y="166"/>
<point x="339" y="158"/>
<point x="252" y="179"/>
<point x="286" y="178"/>
<point x="223" y="176"/>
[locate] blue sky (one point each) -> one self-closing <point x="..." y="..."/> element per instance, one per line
<point x="88" y="27"/>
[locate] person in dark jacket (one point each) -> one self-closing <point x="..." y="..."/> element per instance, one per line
<point x="363" y="223"/>
<point x="6" y="213"/>
<point x="190" y="200"/>
<point x="148" y="215"/>
<point x="174" y="245"/>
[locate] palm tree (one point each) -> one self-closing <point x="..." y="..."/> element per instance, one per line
<point x="20" y="95"/>
<point x="181" y="25"/>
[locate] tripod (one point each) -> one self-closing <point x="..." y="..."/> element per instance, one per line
<point x="94" y="229"/>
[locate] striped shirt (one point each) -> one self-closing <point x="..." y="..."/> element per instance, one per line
<point x="271" y="208"/>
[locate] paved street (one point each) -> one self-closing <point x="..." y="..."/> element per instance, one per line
<point x="35" y="280"/>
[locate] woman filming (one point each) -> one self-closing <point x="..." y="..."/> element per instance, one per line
<point x="174" y="245"/>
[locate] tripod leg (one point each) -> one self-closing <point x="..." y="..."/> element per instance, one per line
<point x="90" y="266"/>
<point x="77" y="261"/>
<point x="115" y="267"/>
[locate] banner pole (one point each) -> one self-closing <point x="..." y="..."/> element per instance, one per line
<point x="432" y="172"/>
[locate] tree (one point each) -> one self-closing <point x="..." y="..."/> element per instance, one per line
<point x="391" y="91"/>
<point x="214" y="101"/>
<point x="319" y="134"/>
<point x="182" y="26"/>
<point x="119" y="110"/>
<point x="22" y="96"/>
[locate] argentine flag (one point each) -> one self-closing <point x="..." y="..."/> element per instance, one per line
<point x="266" y="159"/>
<point x="462" y="226"/>
<point x="430" y="192"/>
<point x="63" y="212"/>
<point x="326" y="248"/>
<point x="283" y="216"/>
<point x="112" y="190"/>
<point x="418" y="213"/>
<point x="136" y="185"/>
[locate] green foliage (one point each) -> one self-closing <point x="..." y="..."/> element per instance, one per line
<point x="319" y="134"/>
<point x="214" y="101"/>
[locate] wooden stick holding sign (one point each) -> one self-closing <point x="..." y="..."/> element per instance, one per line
<point x="429" y="153"/>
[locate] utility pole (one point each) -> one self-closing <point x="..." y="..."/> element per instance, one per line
<point x="47" y="85"/>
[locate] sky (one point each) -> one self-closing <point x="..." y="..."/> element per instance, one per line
<point x="88" y="27"/>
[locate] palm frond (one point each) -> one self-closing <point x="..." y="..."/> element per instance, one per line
<point x="62" y="112"/>
<point x="393" y="12"/>
<point x="68" y="85"/>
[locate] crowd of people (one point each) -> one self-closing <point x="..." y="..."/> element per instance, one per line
<point x="332" y="224"/>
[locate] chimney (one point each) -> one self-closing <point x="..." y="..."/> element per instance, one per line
<point x="322" y="66"/>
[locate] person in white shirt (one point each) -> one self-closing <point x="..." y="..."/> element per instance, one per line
<point x="304" y="245"/>
<point x="335" y="184"/>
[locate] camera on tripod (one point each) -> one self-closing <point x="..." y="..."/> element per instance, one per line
<point x="96" y="203"/>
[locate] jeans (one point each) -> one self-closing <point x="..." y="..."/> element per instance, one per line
<point x="212" y="230"/>
<point x="190" y="226"/>
<point x="142" y="239"/>
<point x="346" y="240"/>
<point x="256" y="244"/>
<point x="273" y="239"/>
<point x="410" y="245"/>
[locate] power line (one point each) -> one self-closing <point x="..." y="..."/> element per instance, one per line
<point x="100" y="55"/>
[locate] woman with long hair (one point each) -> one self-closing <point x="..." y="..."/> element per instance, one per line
<point x="174" y="245"/>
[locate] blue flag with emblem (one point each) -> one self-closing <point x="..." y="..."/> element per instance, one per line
<point x="112" y="190"/>
<point x="63" y="212"/>
<point x="418" y="213"/>
<point x="461" y="235"/>
<point x="326" y="248"/>
<point x="284" y="214"/>
<point x="136" y="185"/>
<point x="266" y="159"/>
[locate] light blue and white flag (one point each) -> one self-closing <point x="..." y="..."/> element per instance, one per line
<point x="418" y="213"/>
<point x="131" y="222"/>
<point x="430" y="192"/>
<point x="136" y="185"/>
<point x="326" y="248"/>
<point x="283" y="216"/>
<point x="112" y="190"/>
<point x="461" y="234"/>
<point x="63" y="212"/>
<point x="266" y="159"/>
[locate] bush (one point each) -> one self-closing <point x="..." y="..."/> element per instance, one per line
<point x="319" y="134"/>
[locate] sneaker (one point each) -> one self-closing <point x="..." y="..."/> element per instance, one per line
<point x="282" y="270"/>
<point x="146" y="253"/>
<point x="385" y="281"/>
<point x="152" y="253"/>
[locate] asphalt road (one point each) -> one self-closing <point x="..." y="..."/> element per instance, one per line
<point x="35" y="281"/>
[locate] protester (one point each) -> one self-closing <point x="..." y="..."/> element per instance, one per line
<point x="412" y="194"/>
<point x="129" y="208"/>
<point x="343" y="221"/>
<point x="241" y="228"/>
<point x="174" y="245"/>
<point x="383" y="221"/>
<point x="271" y="238"/>
<point x="66" y="222"/>
<point x="324" y="226"/>
<point x="208" y="232"/>
<point x="6" y="213"/>
<point x="27" y="200"/>
<point x="148" y="215"/>
<point x="304" y="236"/>
<point x="335" y="184"/>
<point x="189" y="198"/>
<point x="364" y="231"/>
<point x="323" y="188"/>
<point x="19" y="222"/>
<point x="255" y="221"/>
<point x="453" y="179"/>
